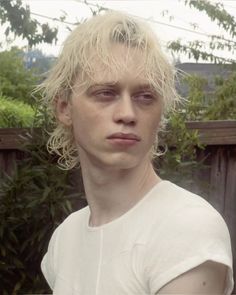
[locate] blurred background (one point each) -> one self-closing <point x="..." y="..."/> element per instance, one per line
<point x="199" y="38"/>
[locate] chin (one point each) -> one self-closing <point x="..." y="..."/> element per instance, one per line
<point x="113" y="160"/>
<point x="116" y="162"/>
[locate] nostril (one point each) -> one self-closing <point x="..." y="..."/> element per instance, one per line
<point x="127" y="121"/>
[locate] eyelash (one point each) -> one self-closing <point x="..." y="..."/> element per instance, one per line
<point x="109" y="94"/>
<point x="146" y="97"/>
<point x="103" y="94"/>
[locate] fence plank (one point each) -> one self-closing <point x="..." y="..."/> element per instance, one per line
<point x="215" y="132"/>
<point x="218" y="179"/>
<point x="230" y="202"/>
<point x="12" y="138"/>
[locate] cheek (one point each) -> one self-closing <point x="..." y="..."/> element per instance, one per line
<point x="86" y="122"/>
<point x="80" y="113"/>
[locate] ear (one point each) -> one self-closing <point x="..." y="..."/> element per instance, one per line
<point x="63" y="111"/>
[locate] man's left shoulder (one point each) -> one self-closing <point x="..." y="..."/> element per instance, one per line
<point x="168" y="199"/>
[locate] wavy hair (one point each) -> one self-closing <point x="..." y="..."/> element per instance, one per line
<point x="93" y="39"/>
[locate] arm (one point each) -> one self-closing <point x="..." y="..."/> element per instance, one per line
<point x="207" y="278"/>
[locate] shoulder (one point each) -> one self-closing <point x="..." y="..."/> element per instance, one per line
<point x="65" y="231"/>
<point x="196" y="217"/>
<point x="189" y="218"/>
<point x="174" y="212"/>
<point x="180" y="196"/>
<point x="61" y="239"/>
<point x="190" y="233"/>
<point x="170" y="197"/>
<point x="180" y="203"/>
<point x="172" y="205"/>
<point x="75" y="219"/>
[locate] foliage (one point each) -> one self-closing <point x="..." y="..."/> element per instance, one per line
<point x="14" y="113"/>
<point x="224" y="104"/>
<point x="16" y="81"/>
<point x="180" y="159"/>
<point x="216" y="12"/>
<point x="206" y="50"/>
<point x="196" y="50"/>
<point x="219" y="104"/>
<point x="19" y="22"/>
<point x="179" y="162"/>
<point x="34" y="200"/>
<point x="19" y="108"/>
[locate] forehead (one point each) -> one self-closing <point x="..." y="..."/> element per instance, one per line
<point x="123" y="65"/>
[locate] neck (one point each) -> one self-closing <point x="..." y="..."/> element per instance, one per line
<point x="111" y="193"/>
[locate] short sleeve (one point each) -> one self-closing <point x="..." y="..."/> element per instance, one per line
<point x="48" y="264"/>
<point x="188" y="238"/>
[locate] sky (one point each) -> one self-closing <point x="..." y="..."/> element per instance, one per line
<point x="170" y="19"/>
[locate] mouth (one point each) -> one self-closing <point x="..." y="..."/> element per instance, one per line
<point x="124" y="139"/>
<point x="124" y="136"/>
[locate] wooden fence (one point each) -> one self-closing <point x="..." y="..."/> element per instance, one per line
<point x="10" y="143"/>
<point x="219" y="155"/>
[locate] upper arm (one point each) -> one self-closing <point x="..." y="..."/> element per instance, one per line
<point x="207" y="278"/>
<point x="48" y="264"/>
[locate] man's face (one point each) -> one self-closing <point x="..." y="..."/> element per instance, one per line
<point x="115" y="120"/>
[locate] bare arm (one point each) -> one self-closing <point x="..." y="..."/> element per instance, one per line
<point x="207" y="278"/>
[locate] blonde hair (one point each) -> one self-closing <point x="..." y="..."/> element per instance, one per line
<point x="93" y="39"/>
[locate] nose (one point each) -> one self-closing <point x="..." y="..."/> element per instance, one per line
<point x="124" y="111"/>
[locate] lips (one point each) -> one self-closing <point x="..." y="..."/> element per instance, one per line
<point x="124" y="136"/>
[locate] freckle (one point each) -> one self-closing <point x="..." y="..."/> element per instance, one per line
<point x="204" y="283"/>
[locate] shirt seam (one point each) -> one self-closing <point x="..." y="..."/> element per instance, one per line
<point x="99" y="263"/>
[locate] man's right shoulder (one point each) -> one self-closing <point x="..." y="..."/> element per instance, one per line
<point x="74" y="220"/>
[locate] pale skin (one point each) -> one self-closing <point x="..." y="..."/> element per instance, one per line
<point x="117" y="175"/>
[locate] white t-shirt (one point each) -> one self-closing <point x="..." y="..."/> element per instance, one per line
<point x="167" y="233"/>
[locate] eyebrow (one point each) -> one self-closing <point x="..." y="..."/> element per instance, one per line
<point x="145" y="86"/>
<point x="111" y="84"/>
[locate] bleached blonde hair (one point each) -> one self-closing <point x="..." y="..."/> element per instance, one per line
<point x="93" y="39"/>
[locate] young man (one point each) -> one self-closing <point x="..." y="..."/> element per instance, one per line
<point x="139" y="234"/>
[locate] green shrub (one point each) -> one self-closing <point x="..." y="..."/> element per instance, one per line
<point x="34" y="200"/>
<point x="179" y="163"/>
<point x="16" y="81"/>
<point x="14" y="113"/>
<point x="223" y="107"/>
